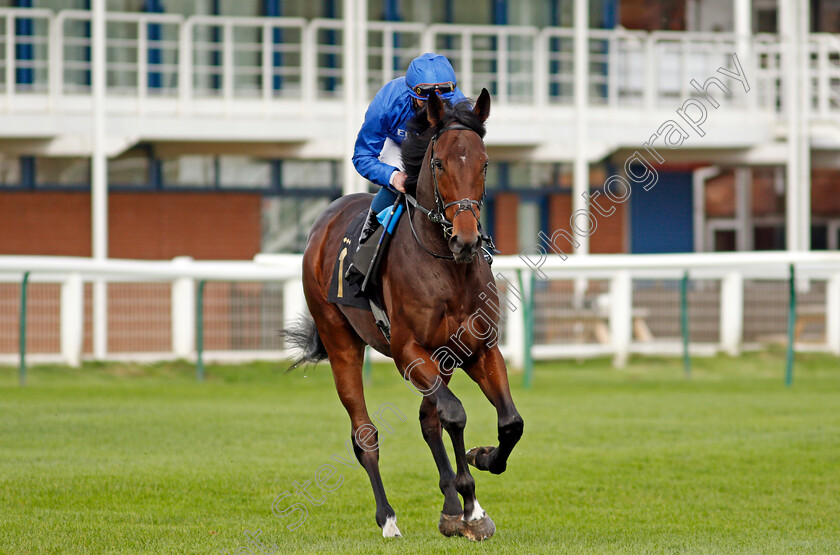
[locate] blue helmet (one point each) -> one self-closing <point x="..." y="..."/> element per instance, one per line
<point x="430" y="72"/>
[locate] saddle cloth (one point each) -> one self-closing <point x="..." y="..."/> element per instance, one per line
<point x="342" y="290"/>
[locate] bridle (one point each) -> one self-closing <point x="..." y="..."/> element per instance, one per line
<point x="438" y="214"/>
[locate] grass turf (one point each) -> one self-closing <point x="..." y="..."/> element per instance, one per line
<point x="141" y="458"/>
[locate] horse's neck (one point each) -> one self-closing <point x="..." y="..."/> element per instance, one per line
<point x="430" y="233"/>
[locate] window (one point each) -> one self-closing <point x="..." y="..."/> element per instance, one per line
<point x="124" y="5"/>
<point x="189" y="171"/>
<point x="819" y="237"/>
<point x="9" y="171"/>
<point x="310" y="174"/>
<point x="725" y="240"/>
<point x="244" y="172"/>
<point x="286" y="221"/>
<point x="528" y="217"/>
<point x="62" y="171"/>
<point x="769" y="238"/>
<point x="130" y="169"/>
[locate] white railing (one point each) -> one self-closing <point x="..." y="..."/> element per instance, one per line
<point x="275" y="60"/>
<point x="597" y="305"/>
<point x="152" y="307"/>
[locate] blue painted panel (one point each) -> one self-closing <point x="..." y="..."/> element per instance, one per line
<point x="274" y="8"/>
<point x="24" y="49"/>
<point x="155" y="35"/>
<point x="610" y="14"/>
<point x="331" y="11"/>
<point x="661" y="219"/>
<point x="87" y="49"/>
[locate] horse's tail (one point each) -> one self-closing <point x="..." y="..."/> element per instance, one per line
<point x="302" y="337"/>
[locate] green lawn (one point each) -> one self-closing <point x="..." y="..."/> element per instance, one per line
<point x="141" y="458"/>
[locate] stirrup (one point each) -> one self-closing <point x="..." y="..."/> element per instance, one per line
<point x="488" y="255"/>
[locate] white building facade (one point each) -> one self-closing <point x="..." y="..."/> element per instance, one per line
<point x="266" y="96"/>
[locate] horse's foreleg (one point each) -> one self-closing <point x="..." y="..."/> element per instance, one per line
<point x="490" y="373"/>
<point x="422" y="372"/>
<point x="431" y="428"/>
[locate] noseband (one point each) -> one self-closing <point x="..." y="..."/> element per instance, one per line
<point x="438" y="214"/>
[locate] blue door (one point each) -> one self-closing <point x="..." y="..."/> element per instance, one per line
<point x="661" y="219"/>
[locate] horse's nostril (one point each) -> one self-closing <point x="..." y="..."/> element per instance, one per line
<point x="455" y="243"/>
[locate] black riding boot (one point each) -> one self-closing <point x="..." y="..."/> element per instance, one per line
<point x="371" y="224"/>
<point x="364" y="252"/>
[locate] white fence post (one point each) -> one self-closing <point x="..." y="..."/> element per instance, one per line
<point x="72" y="319"/>
<point x="621" y="316"/>
<point x="515" y="323"/>
<point x="183" y="312"/>
<point x="294" y="303"/>
<point x="732" y="313"/>
<point x="832" y="314"/>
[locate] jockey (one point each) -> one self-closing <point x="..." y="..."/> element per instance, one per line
<point x="377" y="152"/>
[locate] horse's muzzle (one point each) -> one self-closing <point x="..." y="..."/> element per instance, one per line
<point x="463" y="251"/>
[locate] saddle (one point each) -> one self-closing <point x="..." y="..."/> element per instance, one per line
<point x="360" y="287"/>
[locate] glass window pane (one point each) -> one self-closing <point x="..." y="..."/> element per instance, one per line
<point x="725" y="240"/>
<point x="287" y="220"/>
<point x="248" y="8"/>
<point x="310" y="174"/>
<point x="129" y="169"/>
<point x="819" y="237"/>
<point x="124" y="5"/>
<point x="9" y="171"/>
<point x="189" y="171"/>
<point x="528" y="220"/>
<point x="55" y="5"/>
<point x="62" y="171"/>
<point x="241" y="171"/>
<point x="190" y="7"/>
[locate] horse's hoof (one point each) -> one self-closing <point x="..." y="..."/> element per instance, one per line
<point x="390" y="529"/>
<point x="478" y="530"/>
<point x="477" y="457"/>
<point x="450" y="525"/>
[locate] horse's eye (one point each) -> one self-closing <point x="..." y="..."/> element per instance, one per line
<point x="438" y="164"/>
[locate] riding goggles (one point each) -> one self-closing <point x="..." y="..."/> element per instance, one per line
<point x="423" y="90"/>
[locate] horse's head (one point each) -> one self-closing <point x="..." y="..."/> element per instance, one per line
<point x="458" y="163"/>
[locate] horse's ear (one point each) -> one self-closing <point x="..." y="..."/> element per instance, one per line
<point x="434" y="110"/>
<point x="482" y="106"/>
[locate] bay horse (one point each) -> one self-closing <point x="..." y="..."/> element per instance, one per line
<point x="438" y="295"/>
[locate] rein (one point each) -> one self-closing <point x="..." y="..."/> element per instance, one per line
<point x="438" y="214"/>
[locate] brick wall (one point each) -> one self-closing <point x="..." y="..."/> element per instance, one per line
<point x="506" y="223"/>
<point x="142" y="226"/>
<point x="652" y="16"/>
<point x="720" y="194"/>
<point x="825" y="192"/>
<point x="222" y="226"/>
<point x="608" y="237"/>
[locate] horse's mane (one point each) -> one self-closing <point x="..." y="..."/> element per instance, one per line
<point x="420" y="134"/>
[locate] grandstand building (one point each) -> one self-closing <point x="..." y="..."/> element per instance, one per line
<point x="228" y="125"/>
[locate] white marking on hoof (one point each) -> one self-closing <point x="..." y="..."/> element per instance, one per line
<point x="390" y="529"/>
<point x="477" y="513"/>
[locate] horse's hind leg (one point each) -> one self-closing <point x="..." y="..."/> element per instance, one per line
<point x="346" y="353"/>
<point x="430" y="426"/>
<point x="490" y="373"/>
